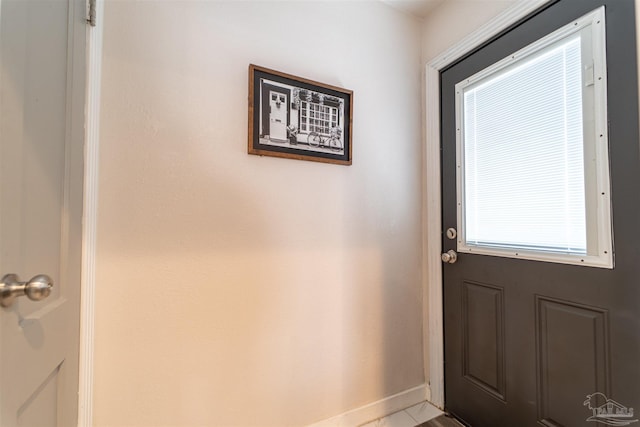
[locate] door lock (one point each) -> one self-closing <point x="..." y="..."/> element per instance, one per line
<point x="449" y="257"/>
<point x="36" y="289"/>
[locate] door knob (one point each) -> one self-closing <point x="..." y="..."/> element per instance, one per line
<point x="449" y="257"/>
<point x="36" y="289"/>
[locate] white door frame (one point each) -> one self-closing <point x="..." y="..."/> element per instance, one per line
<point x="432" y="202"/>
<point x="90" y="216"/>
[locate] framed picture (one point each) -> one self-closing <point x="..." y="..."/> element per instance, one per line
<point x="298" y="118"/>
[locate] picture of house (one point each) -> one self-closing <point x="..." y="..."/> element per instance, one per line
<point x="300" y="117"/>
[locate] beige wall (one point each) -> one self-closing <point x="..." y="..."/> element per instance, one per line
<point x="453" y="20"/>
<point x="241" y="290"/>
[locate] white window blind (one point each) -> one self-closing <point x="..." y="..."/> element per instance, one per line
<point x="532" y="154"/>
<point x="524" y="180"/>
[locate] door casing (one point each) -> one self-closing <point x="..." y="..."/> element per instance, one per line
<point x="432" y="201"/>
<point x="90" y="216"/>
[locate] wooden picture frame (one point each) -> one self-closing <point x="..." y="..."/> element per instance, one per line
<point x="297" y="118"/>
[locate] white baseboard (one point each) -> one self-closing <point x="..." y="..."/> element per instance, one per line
<point x="378" y="409"/>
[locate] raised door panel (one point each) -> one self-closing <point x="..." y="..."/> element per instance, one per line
<point x="572" y="356"/>
<point x="483" y="337"/>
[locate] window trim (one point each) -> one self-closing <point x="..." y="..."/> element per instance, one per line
<point x="599" y="231"/>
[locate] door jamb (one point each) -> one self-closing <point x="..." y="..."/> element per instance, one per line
<point x="90" y="216"/>
<point x="432" y="202"/>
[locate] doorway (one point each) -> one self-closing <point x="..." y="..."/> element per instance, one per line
<point x="276" y="112"/>
<point x="277" y="116"/>
<point x="532" y="341"/>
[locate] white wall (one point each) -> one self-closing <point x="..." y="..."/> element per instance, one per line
<point x="241" y="290"/>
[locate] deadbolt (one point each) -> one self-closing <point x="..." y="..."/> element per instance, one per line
<point x="451" y="233"/>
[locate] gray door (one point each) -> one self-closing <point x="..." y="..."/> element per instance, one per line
<point x="536" y="342"/>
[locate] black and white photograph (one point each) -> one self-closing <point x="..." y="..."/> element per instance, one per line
<point x="298" y="118"/>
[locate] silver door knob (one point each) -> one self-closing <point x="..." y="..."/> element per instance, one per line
<point x="449" y="257"/>
<point x="36" y="289"/>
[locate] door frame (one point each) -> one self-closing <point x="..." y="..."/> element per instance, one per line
<point x="433" y="331"/>
<point x="90" y="65"/>
<point x="90" y="214"/>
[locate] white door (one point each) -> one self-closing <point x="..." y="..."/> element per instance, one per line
<point x="42" y="57"/>
<point x="278" y="116"/>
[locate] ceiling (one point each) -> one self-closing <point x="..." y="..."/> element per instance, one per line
<point x="418" y="8"/>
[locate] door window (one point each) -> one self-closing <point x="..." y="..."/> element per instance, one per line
<point x="532" y="166"/>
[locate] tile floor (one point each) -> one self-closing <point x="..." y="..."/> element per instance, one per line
<point x="410" y="417"/>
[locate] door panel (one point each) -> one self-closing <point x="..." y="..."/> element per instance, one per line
<point x="41" y="408"/>
<point x="483" y="335"/>
<point x="34" y="72"/>
<point x="527" y="341"/>
<point x="42" y="48"/>
<point x="573" y="348"/>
